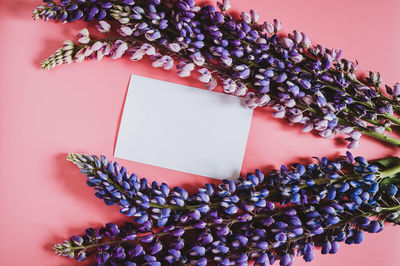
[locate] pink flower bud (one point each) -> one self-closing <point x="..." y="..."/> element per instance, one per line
<point x="277" y="25"/>
<point x="261" y="41"/>
<point x="251" y="103"/>
<point x="99" y="55"/>
<point x="185" y="69"/>
<point x="211" y="84"/>
<point x="164" y="61"/>
<point x="241" y="91"/>
<point x="88" y="51"/>
<point x="174" y="47"/>
<point x="280" y="114"/>
<point x="308" y="127"/>
<point x="346" y="130"/>
<point x="118" y="49"/>
<point x="80" y="55"/>
<point x="246" y="17"/>
<point x="84" y="40"/>
<point x="97" y="45"/>
<point x="198" y="60"/>
<point x="287" y="43"/>
<point x="327" y="133"/>
<point x="228" y="61"/>
<point x="226" y="5"/>
<point x="297" y="58"/>
<point x="354" y="144"/>
<point x="307" y="99"/>
<point x="148" y="48"/>
<point x="321" y="125"/>
<point x="379" y="129"/>
<point x="83" y="33"/>
<point x="356" y="135"/>
<point x="296" y="118"/>
<point x="107" y="49"/>
<point x="229" y="86"/>
<point x="268" y="27"/>
<point x="396" y="89"/>
<point x="169" y="64"/>
<point x="254" y="15"/>
<point x="103" y="26"/>
<point x="68" y="45"/>
<point x="137" y="55"/>
<point x="297" y="36"/>
<point x="205" y="78"/>
<point x="125" y="31"/>
<point x="290" y="103"/>
<point x="306" y="42"/>
<point x="263" y="100"/>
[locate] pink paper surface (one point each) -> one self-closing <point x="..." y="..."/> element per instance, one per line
<point x="77" y="108"/>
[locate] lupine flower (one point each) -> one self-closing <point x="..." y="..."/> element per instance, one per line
<point x="163" y="61"/>
<point x="315" y="80"/>
<point x="259" y="217"/>
<point x="103" y="26"/>
<point x="205" y="75"/>
<point x="184" y="69"/>
<point x="83" y="36"/>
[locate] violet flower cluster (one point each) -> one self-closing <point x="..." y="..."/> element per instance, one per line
<point x="262" y="218"/>
<point x="305" y="84"/>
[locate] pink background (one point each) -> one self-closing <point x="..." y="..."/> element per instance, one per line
<point x="77" y="108"/>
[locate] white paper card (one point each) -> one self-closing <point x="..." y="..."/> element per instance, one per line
<point x="183" y="128"/>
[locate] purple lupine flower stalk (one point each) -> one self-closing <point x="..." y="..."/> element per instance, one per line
<point x="228" y="242"/>
<point x="260" y="218"/>
<point x="351" y="178"/>
<point x="305" y="84"/>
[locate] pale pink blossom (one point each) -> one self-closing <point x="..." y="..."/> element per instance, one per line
<point x="125" y="31"/>
<point x="205" y="75"/>
<point x="83" y="35"/>
<point x="103" y="26"/>
<point x="229" y="85"/>
<point x="211" y="84"/>
<point x="184" y="69"/>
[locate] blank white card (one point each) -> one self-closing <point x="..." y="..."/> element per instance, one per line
<point x="183" y="128"/>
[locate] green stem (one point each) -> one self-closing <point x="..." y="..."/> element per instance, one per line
<point x="391" y="172"/>
<point x="379" y="136"/>
<point x="392" y="118"/>
<point x="386" y="162"/>
<point x="393" y="208"/>
<point x="373" y="122"/>
<point x="118" y="242"/>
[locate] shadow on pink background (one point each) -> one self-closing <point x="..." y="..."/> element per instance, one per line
<point x="77" y="108"/>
